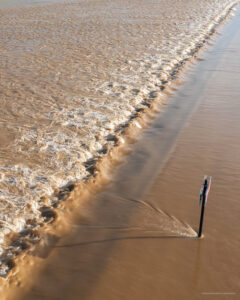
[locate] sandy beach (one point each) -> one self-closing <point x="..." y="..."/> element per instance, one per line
<point x="73" y="77"/>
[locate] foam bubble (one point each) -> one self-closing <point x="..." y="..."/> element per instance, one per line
<point x="64" y="102"/>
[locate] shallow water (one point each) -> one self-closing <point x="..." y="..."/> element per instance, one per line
<point x="129" y="242"/>
<point x="72" y="74"/>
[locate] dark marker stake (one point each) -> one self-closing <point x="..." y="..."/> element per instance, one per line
<point x="203" y="197"/>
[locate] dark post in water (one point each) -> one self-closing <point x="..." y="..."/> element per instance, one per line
<point x="203" y="197"/>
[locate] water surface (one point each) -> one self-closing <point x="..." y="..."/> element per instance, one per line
<point x="73" y="74"/>
<point x="129" y="242"/>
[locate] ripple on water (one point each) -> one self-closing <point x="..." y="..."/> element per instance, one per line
<point x="71" y="75"/>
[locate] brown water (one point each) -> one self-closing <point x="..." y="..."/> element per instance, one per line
<point x="14" y="3"/>
<point x="73" y="75"/>
<point x="128" y="242"/>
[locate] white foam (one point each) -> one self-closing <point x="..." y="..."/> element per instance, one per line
<point x="84" y="123"/>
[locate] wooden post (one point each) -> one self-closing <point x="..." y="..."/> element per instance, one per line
<point x="203" y="197"/>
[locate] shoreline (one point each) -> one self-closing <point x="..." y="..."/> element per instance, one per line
<point x="138" y="120"/>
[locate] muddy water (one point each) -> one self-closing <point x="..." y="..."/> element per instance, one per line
<point x="133" y="240"/>
<point x="72" y="75"/>
<point x="9" y="3"/>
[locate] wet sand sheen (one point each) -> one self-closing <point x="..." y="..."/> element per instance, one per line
<point x="125" y="247"/>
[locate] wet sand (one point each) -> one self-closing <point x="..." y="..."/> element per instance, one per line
<point x="129" y="241"/>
